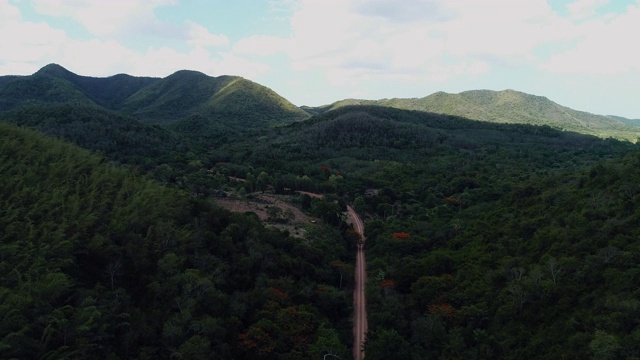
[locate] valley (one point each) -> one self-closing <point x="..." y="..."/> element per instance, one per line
<point x="196" y="217"/>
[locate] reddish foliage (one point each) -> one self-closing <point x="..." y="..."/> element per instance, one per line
<point x="452" y="200"/>
<point x="387" y="283"/>
<point x="401" y="235"/>
<point x="443" y="309"/>
<point x="257" y="339"/>
<point x="325" y="168"/>
<point x="276" y="294"/>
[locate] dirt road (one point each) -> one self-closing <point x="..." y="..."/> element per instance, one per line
<point x="359" y="301"/>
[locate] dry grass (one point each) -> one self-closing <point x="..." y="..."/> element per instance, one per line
<point x="260" y="202"/>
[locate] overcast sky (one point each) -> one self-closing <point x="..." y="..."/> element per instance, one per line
<point x="583" y="54"/>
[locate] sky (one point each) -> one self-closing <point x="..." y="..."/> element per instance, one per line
<point x="583" y="54"/>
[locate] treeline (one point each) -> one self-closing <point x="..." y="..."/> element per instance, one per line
<point x="100" y="262"/>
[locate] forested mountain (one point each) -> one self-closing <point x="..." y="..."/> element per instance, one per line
<point x="110" y="92"/>
<point x="190" y="93"/>
<point x="99" y="262"/>
<point x="506" y="106"/>
<point x="484" y="240"/>
<point x="486" y="237"/>
<point x="120" y="138"/>
<point x="229" y="102"/>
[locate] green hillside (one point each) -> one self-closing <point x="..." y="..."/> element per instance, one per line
<point x="189" y="93"/>
<point x="499" y="225"/>
<point x="626" y="121"/>
<point x="100" y="263"/>
<point x="232" y="103"/>
<point x="484" y="240"/>
<point x="40" y="89"/>
<point x="507" y="106"/>
<point x="118" y="137"/>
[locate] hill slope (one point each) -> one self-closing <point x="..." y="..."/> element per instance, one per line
<point x="98" y="262"/>
<point x="118" y="137"/>
<point x="230" y="101"/>
<point x="484" y="240"/>
<point x="190" y="93"/>
<point x="507" y="106"/>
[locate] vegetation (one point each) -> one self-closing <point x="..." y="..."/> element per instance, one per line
<point x="508" y="238"/>
<point x="118" y="137"/>
<point x="244" y="104"/>
<point x="510" y="107"/>
<point x="483" y="240"/>
<point x="99" y="262"/>
<point x="235" y="102"/>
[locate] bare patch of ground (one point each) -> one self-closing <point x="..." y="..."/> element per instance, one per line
<point x="259" y="203"/>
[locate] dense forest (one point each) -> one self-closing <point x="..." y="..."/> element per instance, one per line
<point x="485" y="239"/>
<point x="99" y="262"/>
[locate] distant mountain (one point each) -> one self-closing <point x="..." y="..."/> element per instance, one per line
<point x="233" y="101"/>
<point x="189" y="93"/>
<point x="40" y="88"/>
<point x="7" y="78"/>
<point x="624" y="120"/>
<point x="507" y="106"/>
<point x="351" y="134"/>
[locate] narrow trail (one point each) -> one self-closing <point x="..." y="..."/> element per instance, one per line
<point x="359" y="302"/>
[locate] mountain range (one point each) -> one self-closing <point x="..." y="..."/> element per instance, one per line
<point x="499" y="225"/>
<point x="168" y="100"/>
<point x="507" y="106"/>
<point x="196" y="103"/>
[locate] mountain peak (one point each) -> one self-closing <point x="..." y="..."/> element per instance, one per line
<point x="54" y="70"/>
<point x="189" y="73"/>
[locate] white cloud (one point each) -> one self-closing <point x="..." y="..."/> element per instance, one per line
<point x="407" y="11"/>
<point x="582" y="9"/>
<point x="357" y="39"/>
<point x="199" y="36"/>
<point x="104" y="18"/>
<point x="603" y="47"/>
<point x="260" y="45"/>
<point x="499" y="28"/>
<point x="25" y="44"/>
<point x="40" y="44"/>
<point x="8" y="12"/>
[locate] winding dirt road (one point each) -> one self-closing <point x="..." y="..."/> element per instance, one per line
<point x="359" y="301"/>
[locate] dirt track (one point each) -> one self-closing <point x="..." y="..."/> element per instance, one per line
<point x="360" y="324"/>
<point x="359" y="301"/>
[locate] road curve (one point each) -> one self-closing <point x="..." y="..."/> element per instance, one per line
<point x="359" y="302"/>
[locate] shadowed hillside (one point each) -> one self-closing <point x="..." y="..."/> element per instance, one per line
<point x="190" y="93"/>
<point x="506" y="106"/>
<point x="229" y="101"/>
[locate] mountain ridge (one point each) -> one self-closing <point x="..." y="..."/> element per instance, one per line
<point x="232" y="104"/>
<point x="183" y="94"/>
<point x="505" y="106"/>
